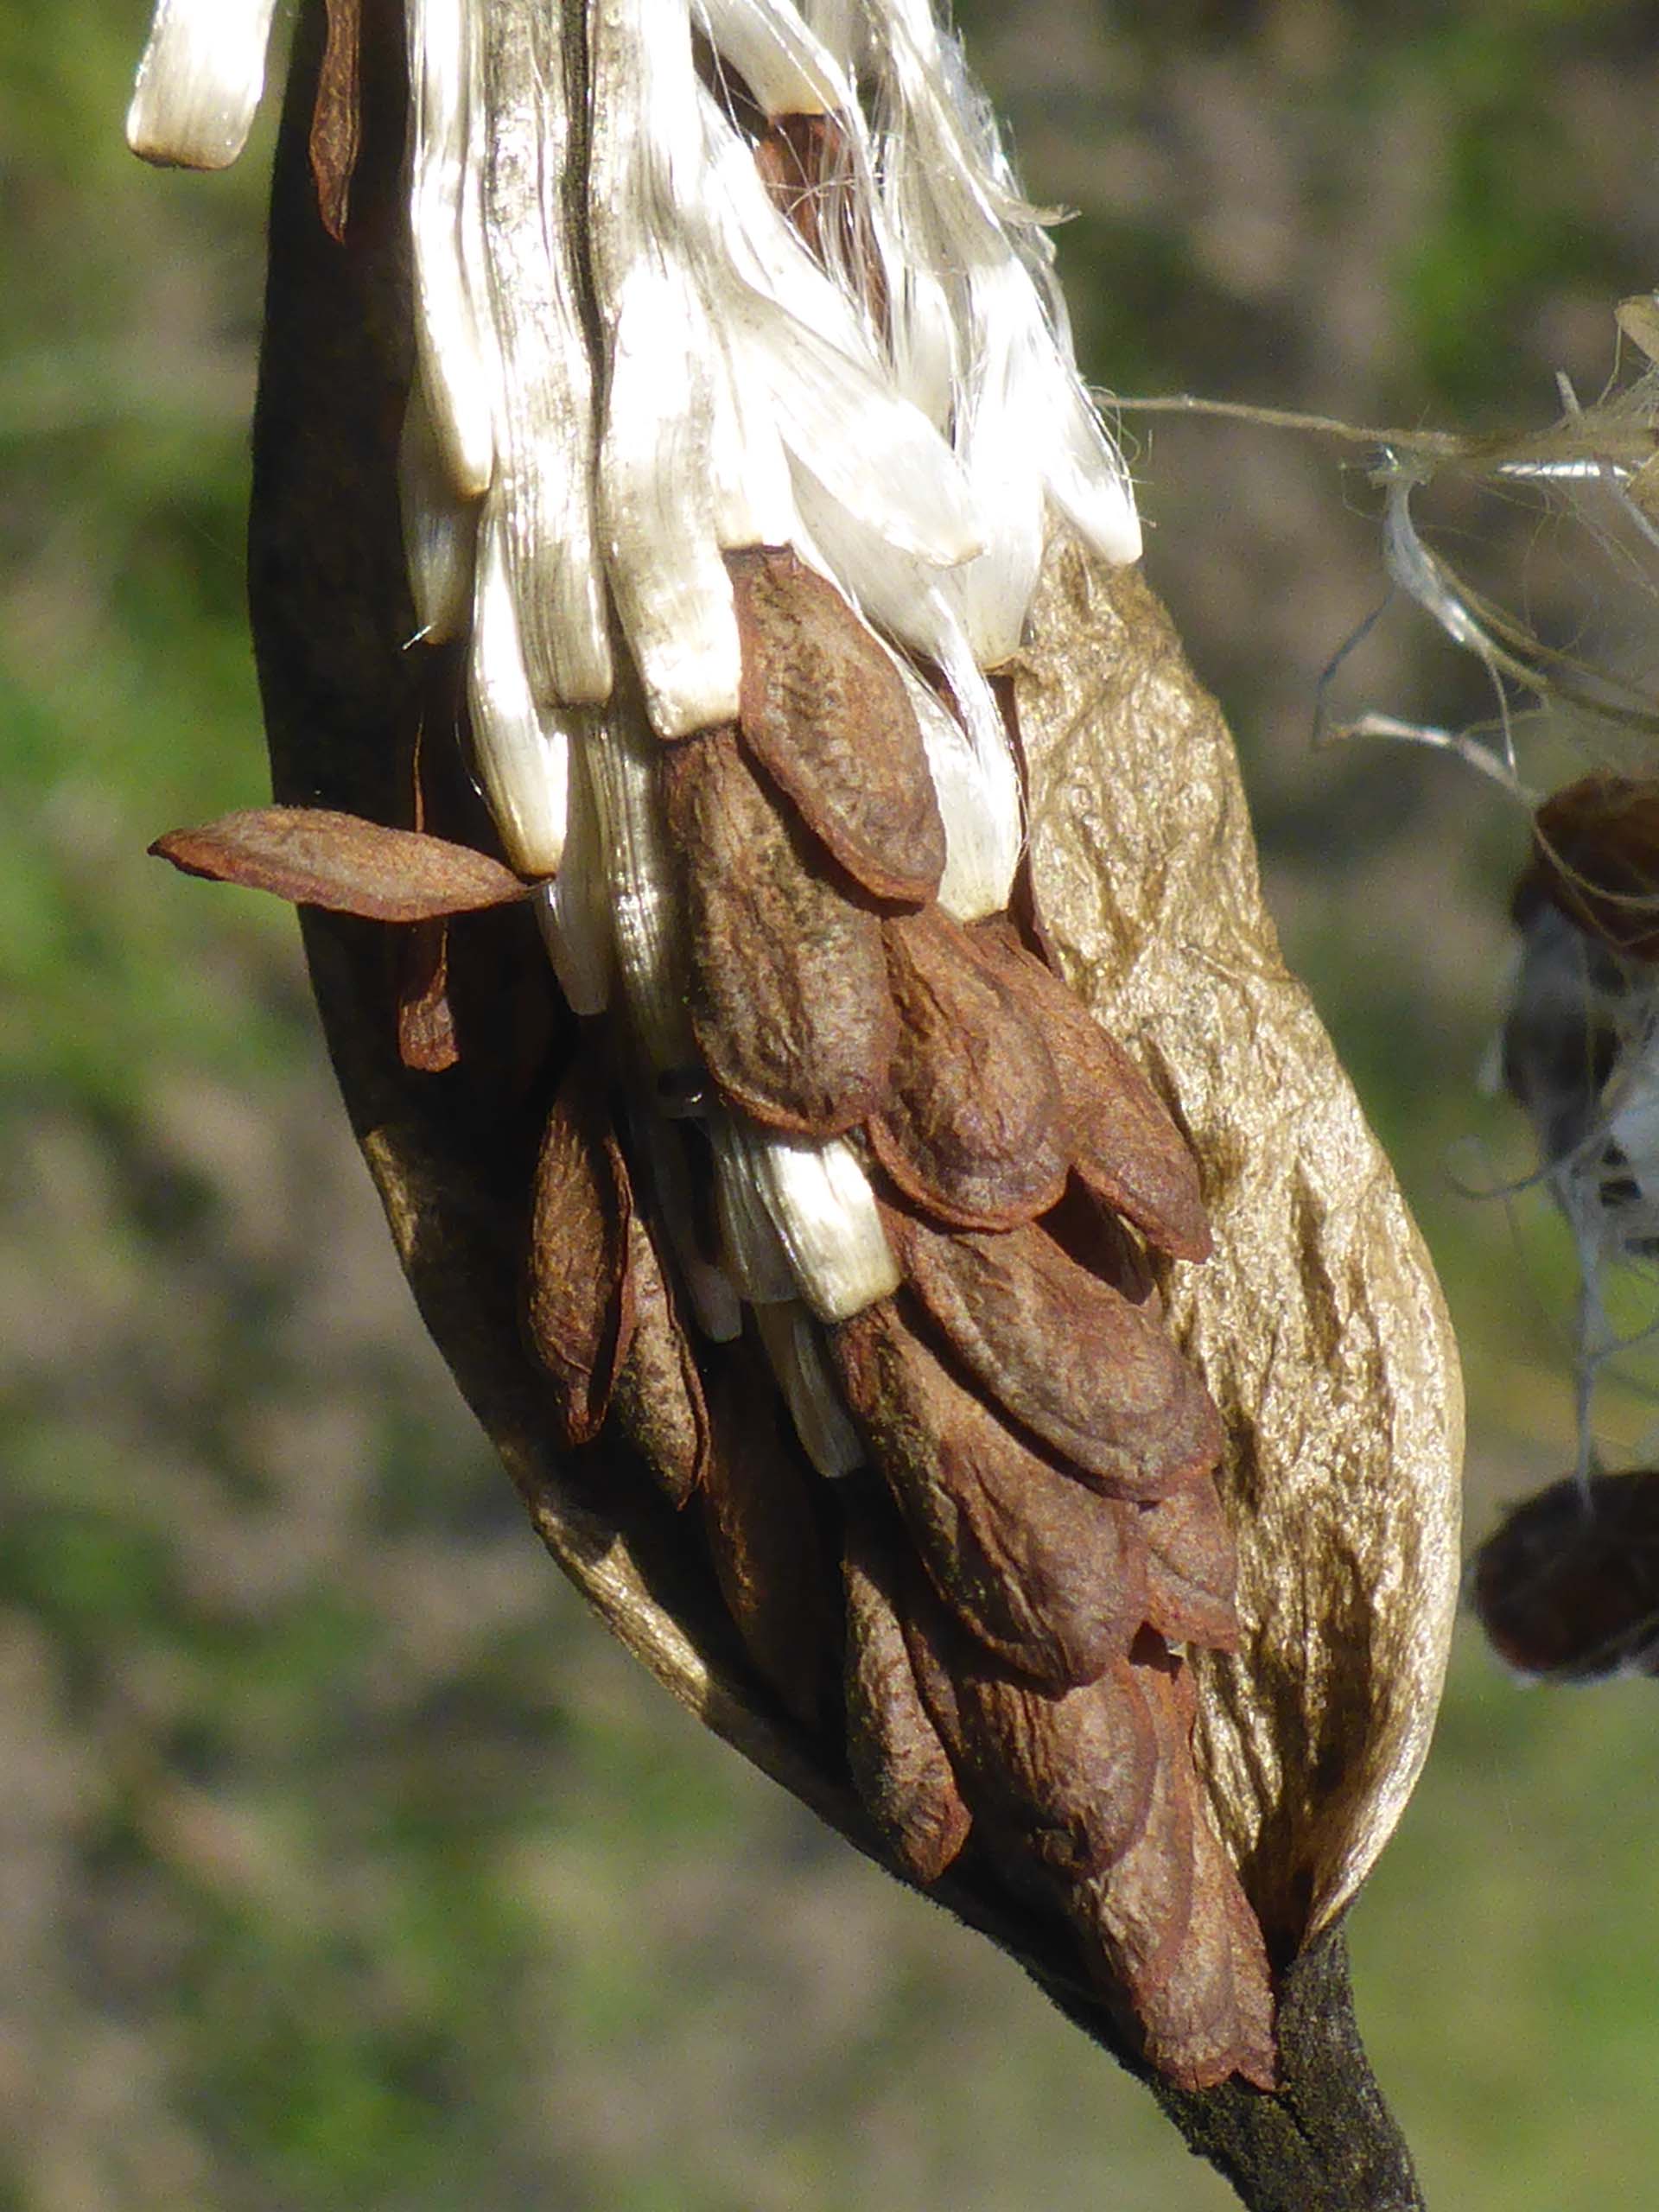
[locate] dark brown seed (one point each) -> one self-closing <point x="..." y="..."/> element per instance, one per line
<point x="789" y="989"/>
<point x="806" y="164"/>
<point x="1145" y="1899"/>
<point x="318" y="858"/>
<point x="1567" y="1586"/>
<point x="1123" y="1144"/>
<point x="1091" y="1798"/>
<point x="899" y="1762"/>
<point x="658" y="1397"/>
<point x="757" y="1507"/>
<point x="336" y="124"/>
<point x="1042" y="1570"/>
<point x="825" y="712"/>
<point x="579" y="1307"/>
<point x="1596" y="856"/>
<point x="1095" y="1375"/>
<point x="1068" y="1779"/>
<point x="1168" y="1926"/>
<point x="427" y="1043"/>
<point x="1191" y="1567"/>
<point x="974" y="1129"/>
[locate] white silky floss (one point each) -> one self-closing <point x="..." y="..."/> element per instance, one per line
<point x="543" y="403"/>
<point x="573" y="908"/>
<point x="447" y="127"/>
<point x="787" y="68"/>
<point x="522" y="753"/>
<point x="440" y="529"/>
<point x="795" y="1352"/>
<point x="818" y="1199"/>
<point x="199" y="82"/>
<point x="655" y="492"/>
<point x="901" y="412"/>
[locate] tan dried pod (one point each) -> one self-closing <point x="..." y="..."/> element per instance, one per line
<point x="1316" y="1326"/>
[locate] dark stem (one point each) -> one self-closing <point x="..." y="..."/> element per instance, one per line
<point x="1325" y="2141"/>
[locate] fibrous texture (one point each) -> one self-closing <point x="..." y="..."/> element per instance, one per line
<point x="741" y="425"/>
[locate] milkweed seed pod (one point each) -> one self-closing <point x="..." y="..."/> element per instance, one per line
<point x="860" y="1151"/>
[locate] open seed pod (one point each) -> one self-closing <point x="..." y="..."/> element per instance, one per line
<point x="833" y="1283"/>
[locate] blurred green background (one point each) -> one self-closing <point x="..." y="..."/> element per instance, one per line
<point x="342" y="1860"/>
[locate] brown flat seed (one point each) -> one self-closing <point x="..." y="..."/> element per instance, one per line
<point x="1213" y="2015"/>
<point x="757" y="1509"/>
<point x="1596" y="857"/>
<point x="974" y="1129"/>
<point x="1124" y="1145"/>
<point x="1039" y="1569"/>
<point x="657" y="1397"/>
<point x="1145" y="1900"/>
<point x="789" y="1001"/>
<point x="825" y="712"/>
<point x="807" y="166"/>
<point x="1095" y="1377"/>
<point x="336" y="123"/>
<point x="1168" y="1926"/>
<point x="1191" y="1567"/>
<point x="317" y="858"/>
<point x="899" y="1762"/>
<point x="1567" y="1587"/>
<point x="1068" y="1779"/>
<point x="580" y="1303"/>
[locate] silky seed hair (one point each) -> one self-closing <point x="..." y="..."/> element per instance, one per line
<point x="896" y="402"/>
<point x="875" y="416"/>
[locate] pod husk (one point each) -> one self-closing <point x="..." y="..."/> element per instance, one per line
<point x="1319" y="1324"/>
